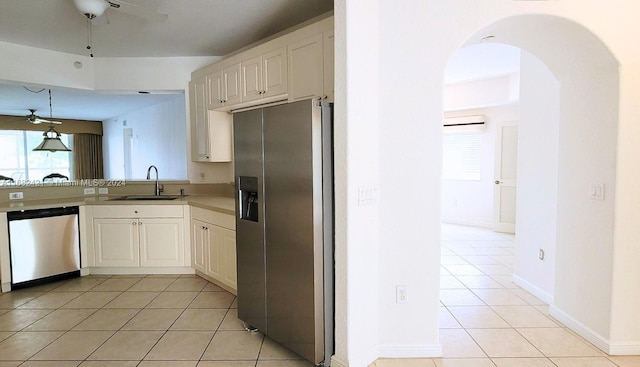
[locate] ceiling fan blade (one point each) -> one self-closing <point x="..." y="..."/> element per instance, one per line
<point x="40" y="121"/>
<point x="137" y="10"/>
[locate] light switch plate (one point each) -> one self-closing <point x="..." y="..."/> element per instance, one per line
<point x="367" y="195"/>
<point x="16" y="195"/>
<point x="103" y="190"/>
<point x="597" y="191"/>
<point x="90" y="191"/>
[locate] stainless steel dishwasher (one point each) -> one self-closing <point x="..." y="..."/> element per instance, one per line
<point x="44" y="245"/>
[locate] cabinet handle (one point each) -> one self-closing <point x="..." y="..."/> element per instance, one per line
<point x="134" y="223"/>
<point x="139" y="223"/>
<point x="325" y="97"/>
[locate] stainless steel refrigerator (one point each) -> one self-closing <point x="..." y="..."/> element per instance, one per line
<point x="284" y="224"/>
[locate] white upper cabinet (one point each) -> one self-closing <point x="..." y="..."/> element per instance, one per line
<point x="210" y="130"/>
<point x="264" y="76"/>
<point x="224" y="87"/>
<point x="295" y="66"/>
<point x="306" y="71"/>
<point x="199" y="120"/>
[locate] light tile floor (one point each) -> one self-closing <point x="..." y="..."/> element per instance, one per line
<point x="95" y="321"/>
<point x="487" y="321"/>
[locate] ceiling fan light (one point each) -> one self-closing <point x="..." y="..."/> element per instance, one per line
<point x="51" y="142"/>
<point x="92" y="7"/>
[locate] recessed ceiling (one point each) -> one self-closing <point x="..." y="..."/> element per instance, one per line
<point x="193" y="28"/>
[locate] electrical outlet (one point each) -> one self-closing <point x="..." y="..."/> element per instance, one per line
<point x="90" y="191"/>
<point x="401" y="294"/>
<point x="16" y="195"/>
<point x="103" y="191"/>
<point x="201" y="176"/>
<point x="541" y="255"/>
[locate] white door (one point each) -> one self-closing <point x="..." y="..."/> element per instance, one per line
<point x="127" y="140"/>
<point x="161" y="242"/>
<point x="274" y="73"/>
<point x="252" y="79"/>
<point x="504" y="193"/>
<point x="116" y="242"/>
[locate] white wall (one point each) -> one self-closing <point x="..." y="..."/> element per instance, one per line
<point x="413" y="53"/>
<point x="159" y="138"/>
<point x="537" y="196"/>
<point x="471" y="202"/>
<point x="495" y="91"/>
<point x="356" y="151"/>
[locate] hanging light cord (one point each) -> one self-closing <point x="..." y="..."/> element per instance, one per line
<point x="90" y="45"/>
<point x="50" y="108"/>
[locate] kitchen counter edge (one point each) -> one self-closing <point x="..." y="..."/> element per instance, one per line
<point x="220" y="204"/>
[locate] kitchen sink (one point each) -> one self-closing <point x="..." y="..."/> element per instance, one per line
<point x="148" y="197"/>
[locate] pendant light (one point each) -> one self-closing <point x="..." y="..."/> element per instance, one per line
<point x="51" y="141"/>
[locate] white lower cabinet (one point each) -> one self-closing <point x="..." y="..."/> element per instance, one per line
<point x="116" y="242"/>
<point x="214" y="247"/>
<point x="153" y="239"/>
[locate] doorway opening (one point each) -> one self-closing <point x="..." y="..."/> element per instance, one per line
<point x="561" y="118"/>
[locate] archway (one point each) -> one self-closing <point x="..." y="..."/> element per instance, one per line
<point x="587" y="113"/>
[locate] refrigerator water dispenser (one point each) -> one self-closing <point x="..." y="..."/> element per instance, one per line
<point x="248" y="198"/>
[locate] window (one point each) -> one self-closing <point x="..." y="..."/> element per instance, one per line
<point x="461" y="155"/>
<point x="21" y="163"/>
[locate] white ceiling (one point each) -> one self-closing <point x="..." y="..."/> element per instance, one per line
<point x="193" y="28"/>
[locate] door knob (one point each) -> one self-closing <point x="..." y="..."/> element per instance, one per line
<point x="497" y="182"/>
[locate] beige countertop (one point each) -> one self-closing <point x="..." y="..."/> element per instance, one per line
<point x="217" y="203"/>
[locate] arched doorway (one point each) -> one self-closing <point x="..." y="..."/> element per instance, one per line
<point x="576" y="217"/>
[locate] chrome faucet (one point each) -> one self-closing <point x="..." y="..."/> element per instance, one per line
<point x="159" y="187"/>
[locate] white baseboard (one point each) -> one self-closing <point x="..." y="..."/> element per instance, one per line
<point x="390" y="351"/>
<point x="411" y="351"/>
<point x="579" y="328"/>
<point x="6" y="287"/>
<point x="141" y="271"/>
<point x="335" y="362"/>
<point x="624" y="349"/>
<point x="544" y="296"/>
<point x="469" y="223"/>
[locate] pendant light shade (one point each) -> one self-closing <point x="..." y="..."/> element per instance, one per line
<point x="51" y="142"/>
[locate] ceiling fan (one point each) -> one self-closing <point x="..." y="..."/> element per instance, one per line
<point x="35" y="119"/>
<point x="94" y="9"/>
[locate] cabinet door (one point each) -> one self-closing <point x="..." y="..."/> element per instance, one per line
<point x="161" y="242"/>
<point x="252" y="79"/>
<point x="305" y="69"/>
<point x="116" y="242"/>
<point x="215" y="90"/>
<point x="230" y="276"/>
<point x="328" y="65"/>
<point x="200" y="242"/>
<point x="198" y="116"/>
<point x="215" y="252"/>
<point x="274" y="73"/>
<point x="232" y="85"/>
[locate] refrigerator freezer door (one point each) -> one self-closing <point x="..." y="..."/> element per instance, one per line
<point x="247" y="131"/>
<point x="293" y="227"/>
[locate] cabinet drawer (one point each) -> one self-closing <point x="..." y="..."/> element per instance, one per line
<point x="138" y="211"/>
<point x="210" y="216"/>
